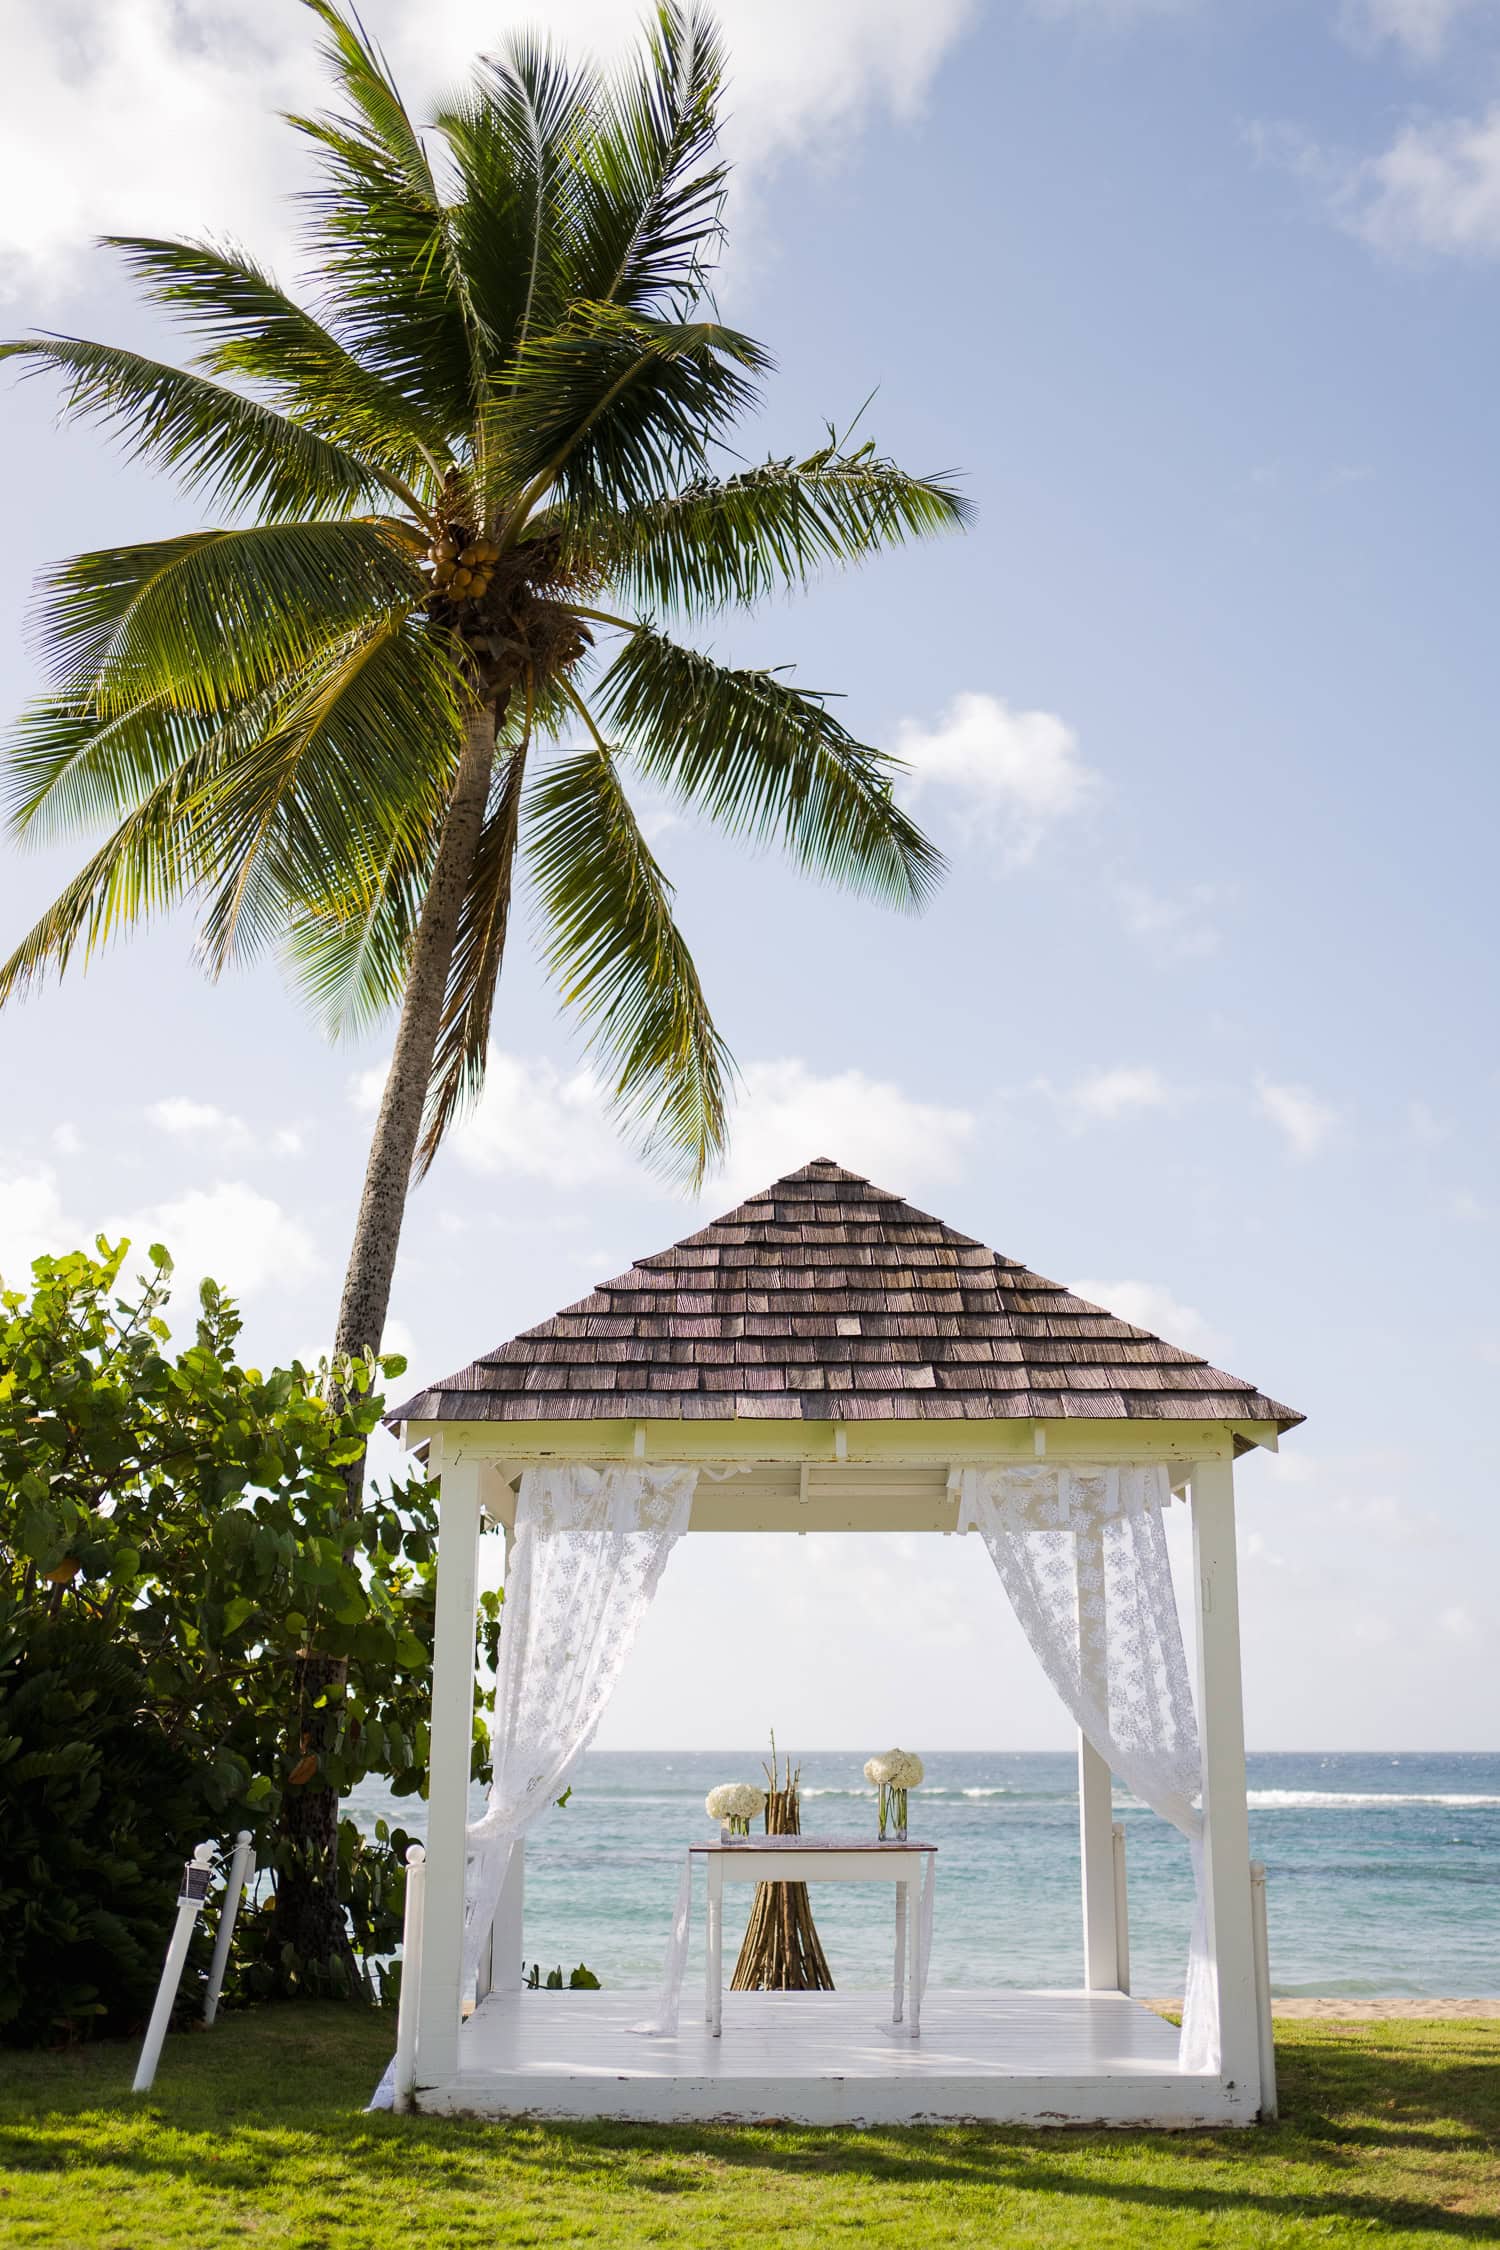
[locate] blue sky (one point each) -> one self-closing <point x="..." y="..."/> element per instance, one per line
<point x="1202" y="301"/>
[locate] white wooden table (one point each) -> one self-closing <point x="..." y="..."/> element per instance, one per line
<point x="827" y="1859"/>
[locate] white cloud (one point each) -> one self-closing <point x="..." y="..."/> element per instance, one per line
<point x="66" y="1138"/>
<point x="145" y="116"/>
<point x="1420" y="27"/>
<point x="1436" y="189"/>
<point x="1425" y="1127"/>
<point x="1179" y="926"/>
<point x="1306" y="1121"/>
<point x="160" y="115"/>
<point x="244" y="1239"/>
<point x="1149" y="1304"/>
<point x="789" y="1114"/>
<point x="540" y="1123"/>
<point x="536" y="1122"/>
<point x="185" y="1119"/>
<point x="1013" y="773"/>
<point x="1129" y="1088"/>
<point x="1114" y="12"/>
<point x="188" y="1120"/>
<point x="1458" y="1622"/>
<point x="33" y="1223"/>
<point x="1256" y="1550"/>
<point x="864" y="1583"/>
<point x="1383" y="1519"/>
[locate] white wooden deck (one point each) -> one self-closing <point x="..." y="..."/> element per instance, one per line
<point x="831" y="2058"/>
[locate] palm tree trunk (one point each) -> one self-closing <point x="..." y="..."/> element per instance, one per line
<point x="311" y="1931"/>
<point x="382" y="1207"/>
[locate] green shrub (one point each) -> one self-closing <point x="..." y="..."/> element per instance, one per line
<point x="188" y="1516"/>
<point x="96" y="1805"/>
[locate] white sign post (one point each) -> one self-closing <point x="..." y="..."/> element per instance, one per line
<point x="241" y="1868"/>
<point x="196" y="1876"/>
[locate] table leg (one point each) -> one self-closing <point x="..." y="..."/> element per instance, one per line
<point x="900" y="1976"/>
<point x="715" y="1949"/>
<point x="915" y="1950"/>
<point x="708" y="1942"/>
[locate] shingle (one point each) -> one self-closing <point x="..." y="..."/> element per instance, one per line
<point x="824" y="1297"/>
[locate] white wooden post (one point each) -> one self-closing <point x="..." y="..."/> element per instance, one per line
<point x="1264" y="2024"/>
<point x="1226" y="1824"/>
<point x="195" y="1881"/>
<point x="404" y="2077"/>
<point x="1095" y="1791"/>
<point x="241" y="1868"/>
<point x="1122" y="1910"/>
<point x="440" y="1993"/>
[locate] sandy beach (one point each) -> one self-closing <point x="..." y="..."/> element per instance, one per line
<point x="1335" y="2010"/>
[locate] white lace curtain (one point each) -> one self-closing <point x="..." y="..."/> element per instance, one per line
<point x="1083" y="1556"/>
<point x="586" y="1557"/>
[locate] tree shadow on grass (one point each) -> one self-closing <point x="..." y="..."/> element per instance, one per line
<point x="1401" y="2118"/>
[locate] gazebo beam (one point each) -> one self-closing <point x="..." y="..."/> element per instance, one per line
<point x="837" y="1444"/>
<point x="1226" y="1825"/>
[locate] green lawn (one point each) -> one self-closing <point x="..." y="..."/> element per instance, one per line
<point x="253" y="2135"/>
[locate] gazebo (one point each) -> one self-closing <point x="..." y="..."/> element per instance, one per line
<point x="826" y="1357"/>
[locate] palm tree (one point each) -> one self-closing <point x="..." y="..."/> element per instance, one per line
<point x="463" y="488"/>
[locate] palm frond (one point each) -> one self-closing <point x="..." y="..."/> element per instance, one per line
<point x="721" y="542"/>
<point x="349" y="954"/>
<point x="648" y="193"/>
<point x="769" y="761"/>
<point x="614" y="407"/>
<point x="199" y="621"/>
<point x="511" y="136"/>
<point x="68" y="768"/>
<point x="237" y="450"/>
<point x="146" y="867"/>
<point x="357" y="754"/>
<point x="621" y="961"/>
<point x="382" y="237"/>
<point x="458" y="1062"/>
<point x="258" y="333"/>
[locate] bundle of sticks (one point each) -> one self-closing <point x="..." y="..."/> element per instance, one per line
<point x="781" y="1952"/>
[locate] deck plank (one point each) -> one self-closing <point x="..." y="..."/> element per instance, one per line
<point x="830" y="2057"/>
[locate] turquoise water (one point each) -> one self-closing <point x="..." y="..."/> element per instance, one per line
<point x="1383" y="1872"/>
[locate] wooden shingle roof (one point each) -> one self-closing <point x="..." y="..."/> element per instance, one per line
<point x="826" y="1299"/>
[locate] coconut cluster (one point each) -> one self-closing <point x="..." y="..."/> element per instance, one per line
<point x="895" y="1769"/>
<point x="462" y="565"/>
<point x="734" y="1800"/>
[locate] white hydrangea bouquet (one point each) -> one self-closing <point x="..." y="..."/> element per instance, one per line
<point x="734" y="1804"/>
<point x="893" y="1773"/>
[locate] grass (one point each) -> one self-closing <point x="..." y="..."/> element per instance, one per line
<point x="253" y="2135"/>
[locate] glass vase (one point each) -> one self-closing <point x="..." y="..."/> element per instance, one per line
<point x="892" y="1814"/>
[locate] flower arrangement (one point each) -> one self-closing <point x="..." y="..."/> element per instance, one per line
<point x="735" y="1804"/>
<point x="893" y="1773"/>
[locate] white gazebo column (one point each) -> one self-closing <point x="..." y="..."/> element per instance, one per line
<point x="1226" y="1826"/>
<point x="1101" y="1966"/>
<point x="448" y="1771"/>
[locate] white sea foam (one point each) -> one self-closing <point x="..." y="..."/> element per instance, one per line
<point x="1338" y="1800"/>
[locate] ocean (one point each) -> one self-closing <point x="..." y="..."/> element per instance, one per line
<point x="1382" y="1870"/>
